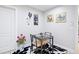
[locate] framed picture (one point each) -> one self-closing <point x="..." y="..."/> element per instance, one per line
<point x="61" y="18"/>
<point x="35" y="19"/>
<point x="50" y="18"/>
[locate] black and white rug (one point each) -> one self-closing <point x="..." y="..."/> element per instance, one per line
<point x="49" y="50"/>
<point x="46" y="49"/>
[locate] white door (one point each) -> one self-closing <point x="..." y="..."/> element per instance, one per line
<point x="7" y="29"/>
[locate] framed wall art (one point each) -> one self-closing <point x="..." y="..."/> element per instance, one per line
<point x="61" y="18"/>
<point x="50" y="18"/>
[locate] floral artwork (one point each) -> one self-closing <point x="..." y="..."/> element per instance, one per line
<point x="50" y="18"/>
<point x="21" y="39"/>
<point x="28" y="18"/>
<point x="61" y="18"/>
<point x="29" y="14"/>
<point x="35" y="19"/>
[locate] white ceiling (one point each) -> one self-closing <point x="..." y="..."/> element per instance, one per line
<point x="43" y="7"/>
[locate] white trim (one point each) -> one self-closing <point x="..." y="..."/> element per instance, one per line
<point x="8" y="51"/>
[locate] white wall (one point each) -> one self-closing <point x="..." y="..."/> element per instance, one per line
<point x="22" y="26"/>
<point x="77" y="44"/>
<point x="64" y="33"/>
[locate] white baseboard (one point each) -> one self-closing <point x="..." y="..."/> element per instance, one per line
<point x="70" y="51"/>
<point x="8" y="51"/>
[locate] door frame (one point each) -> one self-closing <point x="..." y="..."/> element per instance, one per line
<point x="15" y="34"/>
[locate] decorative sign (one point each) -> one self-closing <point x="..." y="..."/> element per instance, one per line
<point x="35" y="19"/>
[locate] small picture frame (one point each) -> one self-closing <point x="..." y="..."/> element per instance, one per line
<point x="50" y="18"/>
